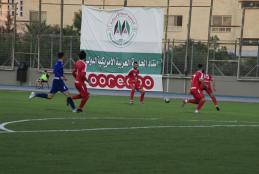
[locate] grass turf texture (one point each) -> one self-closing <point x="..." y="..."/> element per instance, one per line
<point x="225" y="150"/>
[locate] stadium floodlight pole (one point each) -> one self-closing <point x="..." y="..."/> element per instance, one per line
<point x="188" y="38"/>
<point x="125" y="3"/>
<point x="166" y="20"/>
<point x="241" y="41"/>
<point x="61" y="25"/>
<point x="209" y="36"/>
<point x="40" y="11"/>
<point x="14" y="34"/>
<point x="187" y="45"/>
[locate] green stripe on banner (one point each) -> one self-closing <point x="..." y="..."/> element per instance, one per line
<point x="118" y="62"/>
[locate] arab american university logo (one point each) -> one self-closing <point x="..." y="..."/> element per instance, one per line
<point x="122" y="29"/>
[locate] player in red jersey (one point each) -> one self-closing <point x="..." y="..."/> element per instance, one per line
<point x="208" y="81"/>
<point x="195" y="91"/>
<point x="135" y="84"/>
<point x="79" y="73"/>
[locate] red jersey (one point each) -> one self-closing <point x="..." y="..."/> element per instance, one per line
<point x="207" y="79"/>
<point x="196" y="79"/>
<point x="133" y="75"/>
<point x="79" y="71"/>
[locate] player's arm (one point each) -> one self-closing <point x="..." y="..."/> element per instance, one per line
<point x="74" y="71"/>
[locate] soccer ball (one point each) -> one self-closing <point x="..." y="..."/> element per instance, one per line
<point x="167" y="100"/>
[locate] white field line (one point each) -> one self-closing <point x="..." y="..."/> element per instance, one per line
<point x="3" y="125"/>
<point x="5" y="130"/>
<point x="223" y="121"/>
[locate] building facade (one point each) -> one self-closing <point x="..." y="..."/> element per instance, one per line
<point x="226" y="17"/>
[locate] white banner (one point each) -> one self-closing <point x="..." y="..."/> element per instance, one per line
<point x="114" y="39"/>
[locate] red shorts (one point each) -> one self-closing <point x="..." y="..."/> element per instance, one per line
<point x="197" y="94"/>
<point x="81" y="87"/>
<point x="135" y="85"/>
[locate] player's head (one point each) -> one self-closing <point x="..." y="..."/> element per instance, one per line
<point x="61" y="55"/>
<point x="135" y="65"/>
<point x="82" y="55"/>
<point x="199" y="66"/>
<point x="46" y="71"/>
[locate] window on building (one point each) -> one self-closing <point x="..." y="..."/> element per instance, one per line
<point x="221" y="24"/>
<point x="34" y="16"/>
<point x="219" y="21"/>
<point x="175" y="22"/>
<point x="250" y="4"/>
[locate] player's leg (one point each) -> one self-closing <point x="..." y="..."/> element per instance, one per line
<point x="78" y="96"/>
<point x="54" y="89"/>
<point x="42" y="95"/>
<point x="213" y="98"/>
<point x="132" y="92"/>
<point x="64" y="89"/>
<point x="195" y="99"/>
<point x="70" y="102"/>
<point x="85" y="96"/>
<point x="201" y="99"/>
<point x="141" y="98"/>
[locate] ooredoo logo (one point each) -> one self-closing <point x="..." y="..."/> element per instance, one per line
<point x="119" y="81"/>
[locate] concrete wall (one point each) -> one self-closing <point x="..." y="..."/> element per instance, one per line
<point x="227" y="86"/>
<point x="224" y="85"/>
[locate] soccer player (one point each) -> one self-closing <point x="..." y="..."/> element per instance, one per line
<point x="79" y="73"/>
<point x="58" y="84"/>
<point x="209" y="82"/>
<point x="195" y="91"/>
<point x="135" y="84"/>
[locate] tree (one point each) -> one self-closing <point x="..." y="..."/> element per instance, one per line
<point x="77" y="21"/>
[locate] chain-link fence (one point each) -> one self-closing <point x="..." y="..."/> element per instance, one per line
<point x="223" y="57"/>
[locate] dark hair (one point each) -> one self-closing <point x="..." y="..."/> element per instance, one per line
<point x="199" y="66"/>
<point x="135" y="62"/>
<point x="82" y="55"/>
<point x="60" y="55"/>
<point x="45" y="70"/>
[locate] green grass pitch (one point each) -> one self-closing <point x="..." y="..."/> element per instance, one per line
<point x="114" y="137"/>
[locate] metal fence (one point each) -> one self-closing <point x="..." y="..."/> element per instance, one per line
<point x="222" y="58"/>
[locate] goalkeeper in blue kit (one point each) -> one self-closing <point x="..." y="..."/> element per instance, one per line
<point x="58" y="84"/>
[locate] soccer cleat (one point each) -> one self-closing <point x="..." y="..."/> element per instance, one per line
<point x="196" y="111"/>
<point x="184" y="102"/>
<point x="74" y="110"/>
<point x="217" y="108"/>
<point x="32" y="95"/>
<point x="79" y="110"/>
